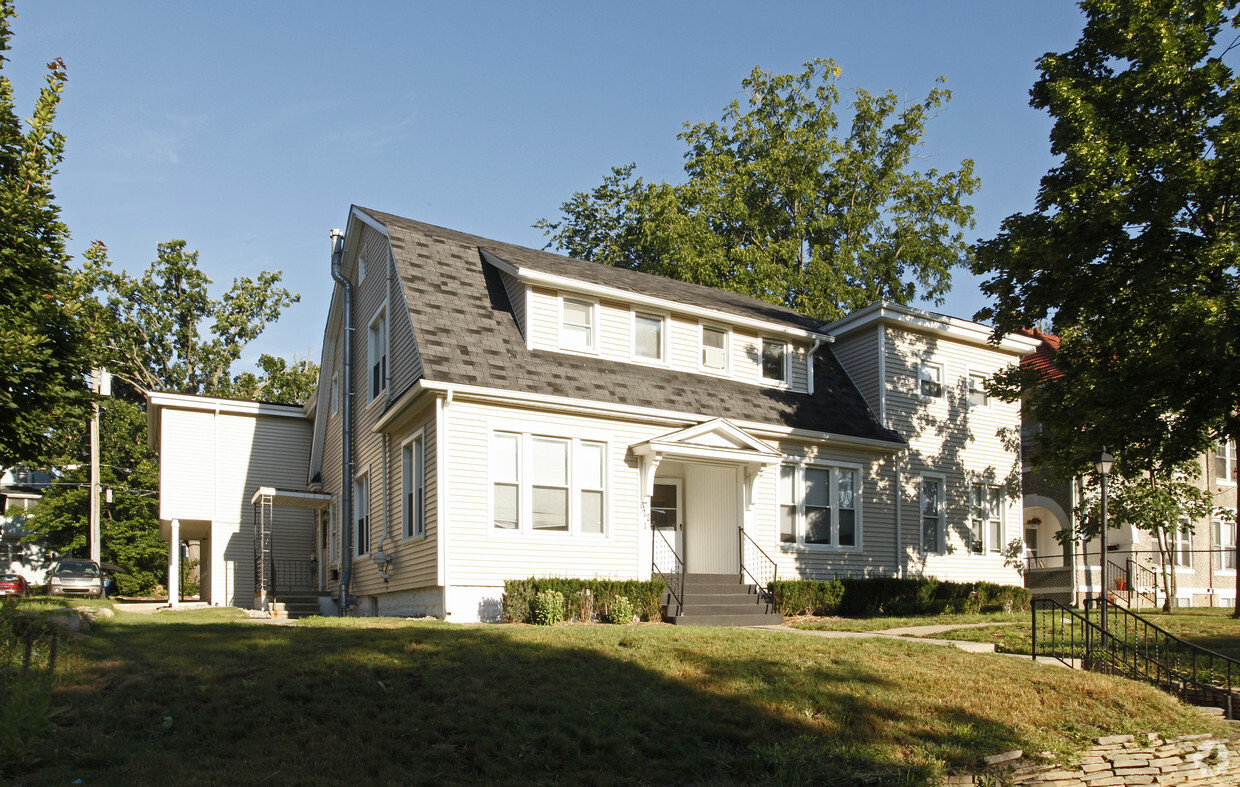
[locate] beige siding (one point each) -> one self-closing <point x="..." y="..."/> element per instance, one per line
<point x="859" y="354"/>
<point x="544" y="320"/>
<point x="615" y="331"/>
<point x="962" y="444"/>
<point x="684" y="343"/>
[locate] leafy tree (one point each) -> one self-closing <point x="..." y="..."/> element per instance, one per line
<point x="279" y="381"/>
<point x="779" y="206"/>
<point x="42" y="376"/>
<point x="1132" y="246"/>
<point x="148" y="327"/>
<point x="1155" y="500"/>
<point x="129" y="525"/>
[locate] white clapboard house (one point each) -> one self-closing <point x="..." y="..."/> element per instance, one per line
<point x="507" y="413"/>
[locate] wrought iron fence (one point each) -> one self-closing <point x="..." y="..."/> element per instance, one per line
<point x="757" y="566"/>
<point x="1137" y="577"/>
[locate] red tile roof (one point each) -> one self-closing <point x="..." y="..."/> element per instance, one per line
<point x="1042" y="360"/>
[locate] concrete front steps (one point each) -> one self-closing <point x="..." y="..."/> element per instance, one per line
<point x="720" y="600"/>
<point x="292" y="605"/>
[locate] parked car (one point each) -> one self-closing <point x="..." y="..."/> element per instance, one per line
<point x="76" y="578"/>
<point x="14" y="585"/>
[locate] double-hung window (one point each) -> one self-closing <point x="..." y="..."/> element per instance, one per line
<point x="714" y="349"/>
<point x="1224" y="545"/>
<point x="774" y="361"/>
<point x="413" y="486"/>
<point x="1184" y="546"/>
<point x="931" y="506"/>
<point x="930" y="380"/>
<point x="361" y="515"/>
<point x="977" y="390"/>
<point x="577" y="325"/>
<point x="544" y="484"/>
<point x="985" y="519"/>
<point x="818" y="506"/>
<point x="377" y="354"/>
<point x="648" y="337"/>
<point x="1225" y="462"/>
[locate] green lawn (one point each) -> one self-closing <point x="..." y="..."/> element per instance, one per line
<point x="1213" y="628"/>
<point x="884" y="623"/>
<point x="208" y="697"/>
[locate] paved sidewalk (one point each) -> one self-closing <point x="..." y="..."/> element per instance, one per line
<point x="911" y="633"/>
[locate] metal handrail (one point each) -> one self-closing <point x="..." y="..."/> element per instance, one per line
<point x="675" y="582"/>
<point x="1138" y="649"/>
<point x="764" y="588"/>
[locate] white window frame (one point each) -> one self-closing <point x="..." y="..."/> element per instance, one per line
<point x="1182" y="548"/>
<point x="1225" y="548"/>
<point x="727" y="349"/>
<point x="361" y="519"/>
<point x="923" y="366"/>
<point x="334" y="393"/>
<point x="413" y="482"/>
<point x="941" y="531"/>
<point x="525" y="486"/>
<point x="970" y="376"/>
<point x="377" y="355"/>
<point x="361" y="268"/>
<point x="1225" y="450"/>
<point x="593" y="327"/>
<point x="798" y="503"/>
<point x="785" y="372"/>
<point x="334" y="530"/>
<point x="663" y="341"/>
<point x="986" y="518"/>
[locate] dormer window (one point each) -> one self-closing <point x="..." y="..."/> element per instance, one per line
<point x="714" y="348"/>
<point x="648" y="337"/>
<point x="577" y="326"/>
<point x="774" y="361"/>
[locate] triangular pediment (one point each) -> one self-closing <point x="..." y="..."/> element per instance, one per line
<point x="717" y="438"/>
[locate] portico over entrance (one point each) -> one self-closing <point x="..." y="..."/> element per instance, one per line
<point x="697" y="491"/>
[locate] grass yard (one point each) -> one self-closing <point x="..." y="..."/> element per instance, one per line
<point x="1212" y="628"/>
<point x="209" y="697"/>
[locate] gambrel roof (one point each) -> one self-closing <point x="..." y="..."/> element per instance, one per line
<point x="467" y="334"/>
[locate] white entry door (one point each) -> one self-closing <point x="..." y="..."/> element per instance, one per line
<point x="667" y="513"/>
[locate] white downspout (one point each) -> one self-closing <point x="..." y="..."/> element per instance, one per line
<point x="441" y="458"/>
<point x="174" y="563"/>
<point x="809" y="365"/>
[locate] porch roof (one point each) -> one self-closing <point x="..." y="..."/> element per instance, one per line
<point x="292" y="498"/>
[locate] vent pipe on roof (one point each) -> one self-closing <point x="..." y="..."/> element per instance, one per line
<point x="346" y="430"/>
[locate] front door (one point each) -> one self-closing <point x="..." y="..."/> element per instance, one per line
<point x="667" y="513"/>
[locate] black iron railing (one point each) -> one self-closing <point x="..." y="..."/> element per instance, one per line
<point x="671" y="569"/>
<point x="293" y="575"/>
<point x="1135" y="648"/>
<point x="757" y="566"/>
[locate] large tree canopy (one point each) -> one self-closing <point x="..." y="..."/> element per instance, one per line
<point x="778" y="205"/>
<point x="43" y="368"/>
<point x="1132" y="248"/>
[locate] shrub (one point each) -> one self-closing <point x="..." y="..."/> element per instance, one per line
<point x="586" y="600"/>
<point x="620" y="611"/>
<point x="870" y="596"/>
<point x="549" y="607"/>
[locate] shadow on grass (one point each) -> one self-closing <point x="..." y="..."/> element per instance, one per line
<point x="213" y="703"/>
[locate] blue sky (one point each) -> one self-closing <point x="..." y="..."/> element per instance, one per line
<point x="248" y="129"/>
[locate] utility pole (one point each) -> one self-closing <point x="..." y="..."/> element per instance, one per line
<point x="101" y="385"/>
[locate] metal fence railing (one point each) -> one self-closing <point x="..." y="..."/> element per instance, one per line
<point x="1202" y="577"/>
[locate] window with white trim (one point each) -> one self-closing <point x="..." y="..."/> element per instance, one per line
<point x="1224" y="545"/>
<point x="413" y="486"/>
<point x="376" y="349"/>
<point x="361" y="515"/>
<point x="1225" y="462"/>
<point x="774" y="361"/>
<point x="985" y="519"/>
<point x="361" y="269"/>
<point x="334" y="525"/>
<point x="1184" y="546"/>
<point x="577" y="325"/>
<point x="648" y="337"/>
<point x="543" y="484"/>
<point x="818" y="506"/>
<point x="930" y="380"/>
<point x="714" y="348"/>
<point x="931" y="506"/>
<point x="335" y="393"/>
<point x="977" y="390"/>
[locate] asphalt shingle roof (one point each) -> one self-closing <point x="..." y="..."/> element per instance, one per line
<point x="467" y="334"/>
